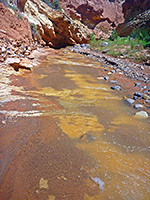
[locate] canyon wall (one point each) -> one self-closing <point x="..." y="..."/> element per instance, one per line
<point x="136" y="14"/>
<point x="95" y="14"/>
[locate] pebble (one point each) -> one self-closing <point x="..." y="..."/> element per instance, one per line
<point x="130" y="101"/>
<point x="137" y="84"/>
<point x="100" y="78"/>
<point x="3" y="122"/>
<point x="116" y="87"/>
<point x="106" y="78"/>
<point x="104" y="44"/>
<point x="135" y="97"/>
<point x="141" y="114"/>
<point x="138" y="94"/>
<point x="106" y="70"/>
<point x="138" y="106"/>
<point x="146" y="97"/>
<point x="112" y="71"/>
<point x="112" y="81"/>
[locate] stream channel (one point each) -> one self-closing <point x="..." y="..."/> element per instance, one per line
<point x="65" y="135"/>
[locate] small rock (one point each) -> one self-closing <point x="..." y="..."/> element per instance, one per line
<point x="138" y="94"/>
<point x="141" y="114"/>
<point x="100" y="78"/>
<point x="138" y="106"/>
<point x="137" y="84"/>
<point x="106" y="70"/>
<point x="112" y="81"/>
<point x="105" y="44"/>
<point x="112" y="71"/>
<point x="130" y="101"/>
<point x="135" y="97"/>
<point x="3" y="122"/>
<point x="116" y="87"/>
<point x="106" y="78"/>
<point x="105" y="51"/>
<point x="11" y="61"/>
<point x="3" y="49"/>
<point x="146" y="97"/>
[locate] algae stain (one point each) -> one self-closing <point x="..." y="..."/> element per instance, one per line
<point x="43" y="184"/>
<point x="77" y="125"/>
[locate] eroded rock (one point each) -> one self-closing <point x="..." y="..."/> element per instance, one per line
<point x="55" y="27"/>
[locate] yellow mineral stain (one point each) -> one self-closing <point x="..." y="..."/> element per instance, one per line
<point x="120" y="166"/>
<point x="51" y="197"/>
<point x="43" y="184"/>
<point x="77" y="125"/>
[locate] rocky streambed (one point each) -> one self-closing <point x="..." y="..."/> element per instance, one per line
<point x="66" y="134"/>
<point x="120" y="73"/>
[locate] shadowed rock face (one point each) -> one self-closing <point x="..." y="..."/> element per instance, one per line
<point x="55" y="27"/>
<point x="131" y="8"/>
<point x="95" y="12"/>
<point x="137" y="14"/>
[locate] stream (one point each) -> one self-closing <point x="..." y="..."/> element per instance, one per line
<point x="65" y="135"/>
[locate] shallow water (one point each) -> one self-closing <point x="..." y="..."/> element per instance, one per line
<point x="66" y="135"/>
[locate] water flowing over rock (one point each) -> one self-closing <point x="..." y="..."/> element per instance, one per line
<point x="55" y="27"/>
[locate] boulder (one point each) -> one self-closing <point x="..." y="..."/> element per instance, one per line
<point x="17" y="64"/>
<point x="54" y="26"/>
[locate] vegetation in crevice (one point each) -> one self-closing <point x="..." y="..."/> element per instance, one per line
<point x="55" y="4"/>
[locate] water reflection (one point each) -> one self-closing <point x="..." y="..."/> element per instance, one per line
<point x="83" y="142"/>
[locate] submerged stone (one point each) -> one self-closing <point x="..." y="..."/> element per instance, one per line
<point x="106" y="77"/>
<point x="112" y="81"/>
<point x="141" y="114"/>
<point x="138" y="106"/>
<point x="137" y="84"/>
<point x="116" y="87"/>
<point x="130" y="101"/>
<point x="138" y="94"/>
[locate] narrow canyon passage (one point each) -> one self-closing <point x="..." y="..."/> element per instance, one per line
<point x="65" y="135"/>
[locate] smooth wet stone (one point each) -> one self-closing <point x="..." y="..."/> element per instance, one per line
<point x="137" y="84"/>
<point x="106" y="70"/>
<point x="106" y="77"/>
<point x="130" y="101"/>
<point x="141" y="114"/>
<point x="113" y="71"/>
<point x="146" y="97"/>
<point x="116" y="87"/>
<point x="143" y="87"/>
<point x="138" y="94"/>
<point x="138" y="106"/>
<point x="135" y="97"/>
<point x="87" y="138"/>
<point x="112" y="81"/>
<point x="100" y="78"/>
<point x="104" y="66"/>
<point x="85" y="46"/>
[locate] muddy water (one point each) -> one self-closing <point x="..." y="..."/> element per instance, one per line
<point x="66" y="135"/>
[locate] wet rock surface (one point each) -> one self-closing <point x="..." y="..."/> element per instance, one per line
<point x="120" y="73"/>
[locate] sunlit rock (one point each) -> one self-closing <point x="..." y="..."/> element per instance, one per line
<point x="141" y="114"/>
<point x="54" y="26"/>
